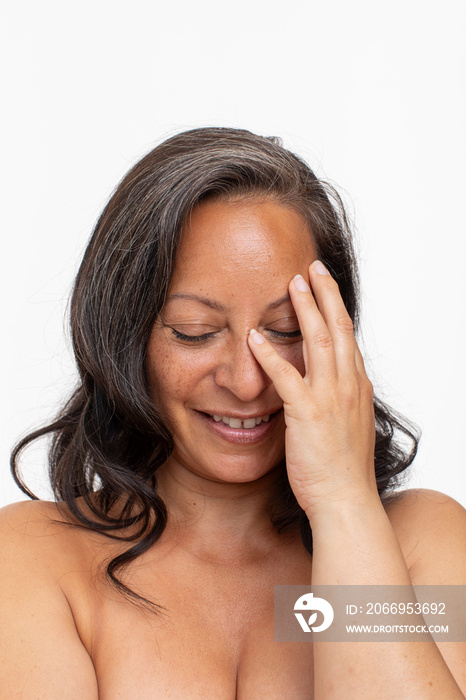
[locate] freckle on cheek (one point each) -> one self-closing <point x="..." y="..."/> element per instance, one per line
<point x="295" y="357"/>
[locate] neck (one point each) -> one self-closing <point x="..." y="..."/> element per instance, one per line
<point x="214" y="519"/>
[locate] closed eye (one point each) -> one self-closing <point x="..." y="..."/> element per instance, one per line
<point x="282" y="334"/>
<point x="206" y="336"/>
<point x="191" y="338"/>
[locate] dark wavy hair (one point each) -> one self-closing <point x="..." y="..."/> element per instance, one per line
<point x="109" y="439"/>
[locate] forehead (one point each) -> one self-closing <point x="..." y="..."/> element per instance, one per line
<point x="229" y="242"/>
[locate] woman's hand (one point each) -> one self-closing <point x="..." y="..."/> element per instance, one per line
<point x="329" y="414"/>
<point x="330" y="439"/>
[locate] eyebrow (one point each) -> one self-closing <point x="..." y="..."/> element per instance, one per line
<point x="212" y="304"/>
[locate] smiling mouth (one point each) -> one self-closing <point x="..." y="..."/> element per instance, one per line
<point x="247" y="423"/>
<point x="241" y="423"/>
<point x="234" y="429"/>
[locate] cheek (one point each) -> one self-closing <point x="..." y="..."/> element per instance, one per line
<point x="163" y="374"/>
<point x="294" y="355"/>
<point x="172" y="373"/>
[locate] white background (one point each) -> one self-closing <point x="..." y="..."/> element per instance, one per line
<point x="371" y="94"/>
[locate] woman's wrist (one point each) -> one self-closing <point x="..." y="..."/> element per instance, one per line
<point x="346" y="504"/>
<point x="354" y="543"/>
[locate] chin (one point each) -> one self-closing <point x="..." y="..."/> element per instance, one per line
<point x="231" y="469"/>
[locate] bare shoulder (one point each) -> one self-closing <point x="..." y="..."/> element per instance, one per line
<point x="431" y="529"/>
<point x="37" y="627"/>
<point x="42" y="549"/>
<point x="30" y="546"/>
<point x="35" y="532"/>
<point x="25" y="517"/>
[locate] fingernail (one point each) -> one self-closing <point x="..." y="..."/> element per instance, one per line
<point x="256" y="337"/>
<point x="320" y="268"/>
<point x="300" y="284"/>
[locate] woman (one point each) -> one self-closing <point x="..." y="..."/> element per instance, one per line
<point x="223" y="439"/>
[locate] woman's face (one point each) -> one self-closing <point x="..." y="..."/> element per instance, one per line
<point x="232" y="272"/>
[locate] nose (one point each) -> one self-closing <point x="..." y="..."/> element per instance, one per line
<point x="239" y="372"/>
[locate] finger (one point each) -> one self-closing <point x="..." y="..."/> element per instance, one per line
<point x="359" y="360"/>
<point x="336" y="317"/>
<point x="318" y="351"/>
<point x="364" y="381"/>
<point x="287" y="380"/>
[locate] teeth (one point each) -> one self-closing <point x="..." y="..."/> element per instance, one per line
<point x="247" y="423"/>
<point x="233" y="422"/>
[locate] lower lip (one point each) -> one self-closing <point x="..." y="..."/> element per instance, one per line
<point x="242" y="436"/>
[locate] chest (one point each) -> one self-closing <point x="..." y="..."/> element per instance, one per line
<point x="214" y="639"/>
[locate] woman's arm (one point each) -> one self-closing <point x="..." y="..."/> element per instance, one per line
<point x="41" y="654"/>
<point x="330" y="440"/>
<point x="358" y="545"/>
<point x="431" y="529"/>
